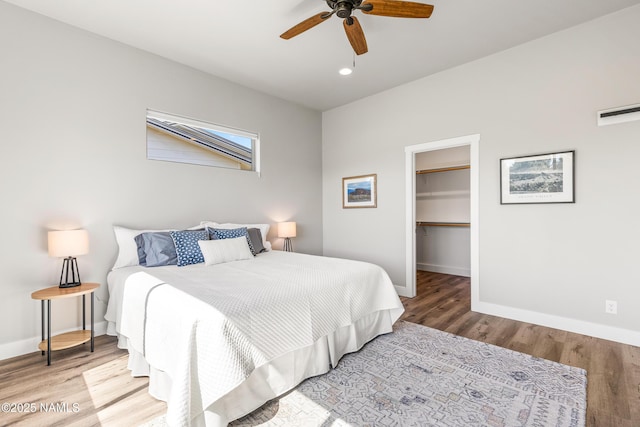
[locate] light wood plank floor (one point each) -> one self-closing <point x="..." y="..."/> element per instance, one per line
<point x="98" y="383"/>
<point x="613" y="370"/>
<point x="106" y="395"/>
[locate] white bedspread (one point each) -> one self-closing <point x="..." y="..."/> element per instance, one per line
<point x="208" y="328"/>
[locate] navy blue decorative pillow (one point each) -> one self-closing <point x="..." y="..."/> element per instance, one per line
<point x="156" y="249"/>
<point x="187" y="247"/>
<point x="231" y="233"/>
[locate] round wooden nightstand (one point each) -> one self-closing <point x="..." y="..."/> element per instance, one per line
<point x="68" y="339"/>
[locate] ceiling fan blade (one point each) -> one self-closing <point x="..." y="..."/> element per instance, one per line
<point x="396" y="8"/>
<point x="305" y="25"/>
<point x="355" y="35"/>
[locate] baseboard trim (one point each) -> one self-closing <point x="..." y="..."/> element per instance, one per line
<point x="29" y="345"/>
<point x="620" y="335"/>
<point x="402" y="291"/>
<point x="444" y="269"/>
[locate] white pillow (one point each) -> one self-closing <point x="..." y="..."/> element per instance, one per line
<point x="127" y="248"/>
<point x="225" y="250"/>
<point x="264" y="229"/>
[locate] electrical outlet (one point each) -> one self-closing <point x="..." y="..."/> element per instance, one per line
<point x="611" y="307"/>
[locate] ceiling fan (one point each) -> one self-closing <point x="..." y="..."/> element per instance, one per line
<point x="345" y="8"/>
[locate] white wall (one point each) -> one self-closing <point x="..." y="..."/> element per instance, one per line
<point x="444" y="250"/>
<point x="443" y="196"/>
<point x="552" y="264"/>
<point x="73" y="154"/>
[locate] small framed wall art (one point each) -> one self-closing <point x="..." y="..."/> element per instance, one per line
<point x="359" y="191"/>
<point x="541" y="178"/>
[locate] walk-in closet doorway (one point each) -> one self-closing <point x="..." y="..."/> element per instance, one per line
<point x="448" y="214"/>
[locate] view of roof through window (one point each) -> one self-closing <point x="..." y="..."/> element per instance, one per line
<point x="241" y="140"/>
<point x="183" y="140"/>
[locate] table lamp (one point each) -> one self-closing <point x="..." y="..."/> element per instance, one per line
<point x="68" y="244"/>
<point x="287" y="230"/>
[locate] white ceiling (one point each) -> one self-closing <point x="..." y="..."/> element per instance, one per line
<point x="239" y="40"/>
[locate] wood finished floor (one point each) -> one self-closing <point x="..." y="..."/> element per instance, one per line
<point x="613" y="369"/>
<point x="99" y="383"/>
<point x="106" y="395"/>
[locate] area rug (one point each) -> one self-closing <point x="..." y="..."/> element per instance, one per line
<point x="419" y="376"/>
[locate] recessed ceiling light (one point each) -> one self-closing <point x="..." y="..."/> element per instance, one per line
<point x="345" y="71"/>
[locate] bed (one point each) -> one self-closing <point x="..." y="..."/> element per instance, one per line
<point x="218" y="341"/>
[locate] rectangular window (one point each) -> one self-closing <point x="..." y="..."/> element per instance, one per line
<point x="179" y="139"/>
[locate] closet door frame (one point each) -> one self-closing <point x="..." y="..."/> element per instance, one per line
<point x="473" y="141"/>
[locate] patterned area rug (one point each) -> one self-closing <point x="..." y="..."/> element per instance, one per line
<point x="418" y="376"/>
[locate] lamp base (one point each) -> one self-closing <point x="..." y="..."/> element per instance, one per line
<point x="288" y="246"/>
<point x="69" y="285"/>
<point x="70" y="264"/>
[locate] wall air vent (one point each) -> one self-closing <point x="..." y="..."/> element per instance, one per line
<point x="619" y="115"/>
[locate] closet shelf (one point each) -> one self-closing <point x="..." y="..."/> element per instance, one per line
<point x="447" y="169"/>
<point x="442" y="224"/>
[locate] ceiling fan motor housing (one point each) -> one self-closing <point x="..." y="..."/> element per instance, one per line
<point x="344" y="8"/>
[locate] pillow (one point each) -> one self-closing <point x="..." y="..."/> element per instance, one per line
<point x="156" y="249"/>
<point x="187" y="248"/>
<point x="264" y="229"/>
<point x="220" y="234"/>
<point x="255" y="240"/>
<point x="127" y="248"/>
<point x="225" y="250"/>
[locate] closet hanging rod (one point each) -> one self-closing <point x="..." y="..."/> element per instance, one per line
<point x="442" y="224"/>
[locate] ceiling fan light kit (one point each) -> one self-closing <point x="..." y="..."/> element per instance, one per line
<point x="344" y="9"/>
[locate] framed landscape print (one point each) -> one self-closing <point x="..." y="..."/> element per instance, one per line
<point x="359" y="191"/>
<point x="542" y="178"/>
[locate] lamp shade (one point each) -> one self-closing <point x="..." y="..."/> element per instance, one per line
<point x="287" y="229"/>
<point x="68" y="243"/>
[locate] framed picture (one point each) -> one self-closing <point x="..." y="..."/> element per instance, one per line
<point x="359" y="191"/>
<point x="542" y="178"/>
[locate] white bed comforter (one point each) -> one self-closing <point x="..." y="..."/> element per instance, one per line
<point x="208" y="328"/>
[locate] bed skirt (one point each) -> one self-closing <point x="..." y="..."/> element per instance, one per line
<point x="272" y="379"/>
